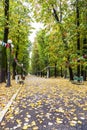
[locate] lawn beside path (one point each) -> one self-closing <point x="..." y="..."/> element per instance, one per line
<point x="48" y="104"/>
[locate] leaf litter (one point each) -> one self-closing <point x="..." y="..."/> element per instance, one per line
<point x="52" y="101"/>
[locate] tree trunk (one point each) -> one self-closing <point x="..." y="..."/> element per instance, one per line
<point x="3" y="65"/>
<point x="70" y="73"/>
<point x="85" y="44"/>
<point x="61" y="72"/>
<point x="6" y="31"/>
<point x="14" y="63"/>
<point x="14" y="69"/>
<point x="48" y="72"/>
<point x="0" y="63"/>
<point x="83" y="73"/>
<point x="78" y="35"/>
<point x="65" y="73"/>
<point x="55" y="71"/>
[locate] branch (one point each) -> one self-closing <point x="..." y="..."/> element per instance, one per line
<point x="55" y="14"/>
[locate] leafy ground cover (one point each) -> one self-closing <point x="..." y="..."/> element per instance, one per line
<point x="48" y="104"/>
<point x="6" y="93"/>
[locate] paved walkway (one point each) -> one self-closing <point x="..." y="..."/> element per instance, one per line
<point x="6" y="93"/>
<point x="48" y="104"/>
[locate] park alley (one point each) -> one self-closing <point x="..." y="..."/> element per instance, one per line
<point x="48" y="104"/>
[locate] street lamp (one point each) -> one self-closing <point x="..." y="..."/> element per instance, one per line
<point x="8" y="46"/>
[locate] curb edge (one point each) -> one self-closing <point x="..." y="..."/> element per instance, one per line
<point x="3" y="112"/>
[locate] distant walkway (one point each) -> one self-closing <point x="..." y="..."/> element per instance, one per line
<point x="48" y="104"/>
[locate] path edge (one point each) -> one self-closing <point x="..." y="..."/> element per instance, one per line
<point x="3" y="112"/>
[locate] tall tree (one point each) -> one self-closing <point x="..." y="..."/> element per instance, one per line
<point x="52" y="12"/>
<point x="19" y="32"/>
<point x="78" y="34"/>
<point x="6" y="32"/>
<point x="35" y="60"/>
<point x="17" y="11"/>
<point x="84" y="37"/>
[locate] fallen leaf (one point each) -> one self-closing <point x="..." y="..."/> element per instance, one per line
<point x="59" y="120"/>
<point x="73" y="123"/>
<point x="33" y="123"/>
<point x="35" y="128"/>
<point x="25" y="127"/>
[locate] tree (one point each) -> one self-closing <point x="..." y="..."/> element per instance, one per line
<point x="51" y="12"/>
<point x="17" y="22"/>
<point x="78" y="34"/>
<point x="63" y="14"/>
<point x="20" y="21"/>
<point x="5" y="38"/>
<point x="35" y="60"/>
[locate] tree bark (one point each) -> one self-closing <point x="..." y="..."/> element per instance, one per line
<point x="61" y="72"/>
<point x="70" y="73"/>
<point x="78" y="35"/>
<point x="85" y="44"/>
<point x="48" y="72"/>
<point x="6" y="32"/>
<point x="83" y="73"/>
<point x="0" y="63"/>
<point x="14" y="63"/>
<point x="55" y="71"/>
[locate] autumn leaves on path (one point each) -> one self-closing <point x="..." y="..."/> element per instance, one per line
<point x="48" y="104"/>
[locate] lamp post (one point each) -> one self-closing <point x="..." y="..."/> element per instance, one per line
<point x="8" y="46"/>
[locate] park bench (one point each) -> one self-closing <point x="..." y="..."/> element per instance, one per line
<point x="78" y="80"/>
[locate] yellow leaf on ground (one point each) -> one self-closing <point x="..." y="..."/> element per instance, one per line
<point x="35" y="128"/>
<point x="79" y="122"/>
<point x="59" y="120"/>
<point x="33" y="123"/>
<point x="85" y="109"/>
<point x="75" y="118"/>
<point x="73" y="123"/>
<point x="25" y="127"/>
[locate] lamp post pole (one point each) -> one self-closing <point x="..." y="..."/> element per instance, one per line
<point x="8" y="46"/>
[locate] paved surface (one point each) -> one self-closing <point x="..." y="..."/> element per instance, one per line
<point x="5" y="109"/>
<point x="48" y="104"/>
<point x="6" y="93"/>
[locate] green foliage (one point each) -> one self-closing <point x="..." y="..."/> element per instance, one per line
<point x="19" y="29"/>
<point x="58" y="42"/>
<point x="35" y="59"/>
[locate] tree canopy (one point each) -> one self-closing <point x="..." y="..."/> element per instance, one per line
<point x="65" y="32"/>
<point x="62" y="41"/>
